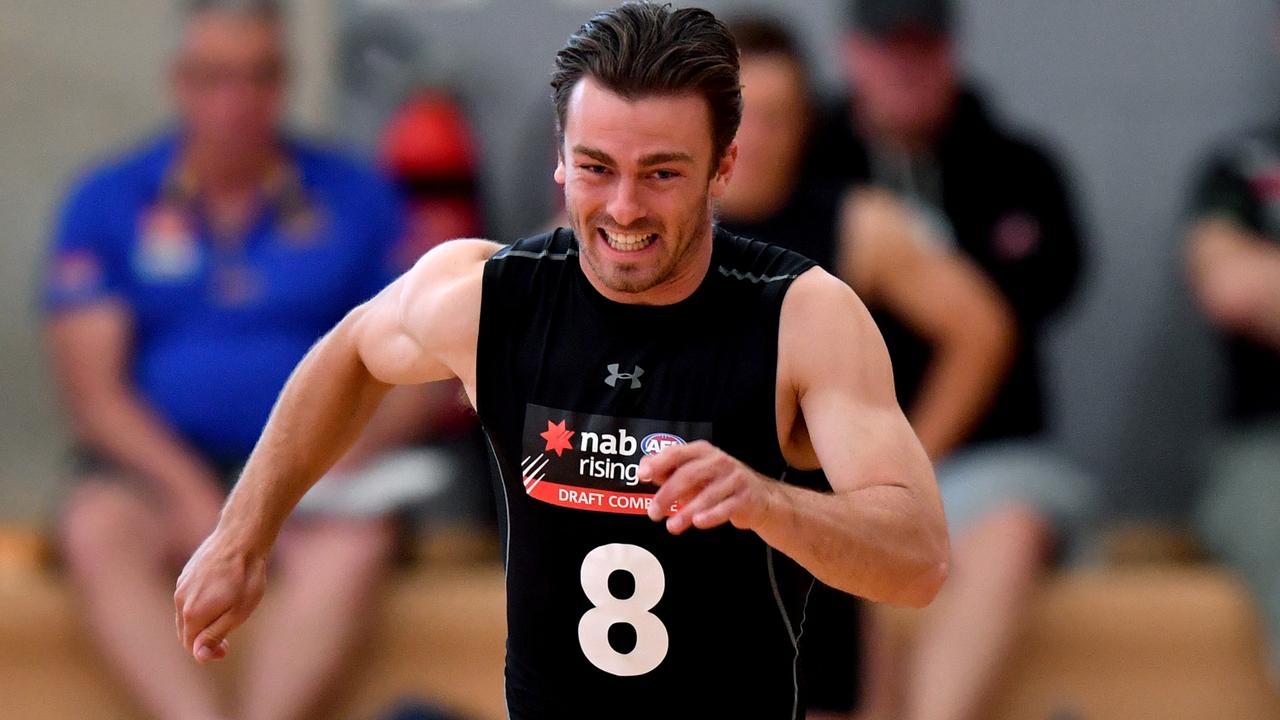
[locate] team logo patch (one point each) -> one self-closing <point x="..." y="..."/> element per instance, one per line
<point x="167" y="247"/>
<point x="632" y="378"/>
<point x="655" y="443"/>
<point x="591" y="462"/>
<point x="1266" y="184"/>
<point x="1016" y="236"/>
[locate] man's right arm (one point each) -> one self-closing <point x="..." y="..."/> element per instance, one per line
<point x="89" y="349"/>
<point x="888" y="259"/>
<point x="1235" y="274"/>
<point x="421" y="328"/>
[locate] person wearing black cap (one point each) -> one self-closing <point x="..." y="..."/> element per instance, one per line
<point x="913" y="126"/>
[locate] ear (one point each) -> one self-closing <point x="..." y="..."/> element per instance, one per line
<point x="724" y="171"/>
<point x="559" y="173"/>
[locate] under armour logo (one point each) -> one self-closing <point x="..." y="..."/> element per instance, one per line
<point x="615" y="376"/>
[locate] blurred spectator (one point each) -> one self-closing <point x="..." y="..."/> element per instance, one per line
<point x="186" y="280"/>
<point x="913" y="127"/>
<point x="873" y="243"/>
<point x="1233" y="260"/>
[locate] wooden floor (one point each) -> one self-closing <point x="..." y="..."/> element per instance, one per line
<point x="1159" y="642"/>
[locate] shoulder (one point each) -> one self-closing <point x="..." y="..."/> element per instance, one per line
<point x="328" y="159"/>
<point x="817" y="298"/>
<point x="821" y="312"/>
<point x="451" y="266"/>
<point x="517" y="270"/>
<point x="826" y="332"/>
<point x="108" y="182"/>
<point x="755" y="262"/>
<point x="441" y="293"/>
<point x="1239" y="150"/>
<point x="555" y="245"/>
<point x="977" y="126"/>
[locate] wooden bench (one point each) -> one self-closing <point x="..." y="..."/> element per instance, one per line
<point x="1161" y="641"/>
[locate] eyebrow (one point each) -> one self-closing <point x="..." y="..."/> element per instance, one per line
<point x="658" y="158"/>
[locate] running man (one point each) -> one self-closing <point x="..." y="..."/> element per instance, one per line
<point x="646" y="380"/>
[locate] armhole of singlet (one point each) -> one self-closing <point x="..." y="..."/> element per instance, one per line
<point x="485" y="334"/>
<point x="775" y="309"/>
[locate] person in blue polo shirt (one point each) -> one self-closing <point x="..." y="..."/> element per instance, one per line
<point x="185" y="281"/>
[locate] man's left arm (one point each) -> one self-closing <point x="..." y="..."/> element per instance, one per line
<point x="881" y="534"/>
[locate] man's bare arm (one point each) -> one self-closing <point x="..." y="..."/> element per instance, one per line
<point x="421" y="328"/>
<point x="89" y="348"/>
<point x="944" y="299"/>
<point x="881" y="535"/>
<point x="1236" y="278"/>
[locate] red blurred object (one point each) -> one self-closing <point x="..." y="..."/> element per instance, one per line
<point x="429" y="137"/>
<point x="428" y="149"/>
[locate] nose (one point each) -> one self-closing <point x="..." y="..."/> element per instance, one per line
<point x="624" y="206"/>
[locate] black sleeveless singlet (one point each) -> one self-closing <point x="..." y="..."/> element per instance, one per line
<point x="609" y="615"/>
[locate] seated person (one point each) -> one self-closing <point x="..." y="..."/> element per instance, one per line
<point x="1013" y="501"/>
<point x="874" y="243"/>
<point x="1233" y="260"/>
<point x="186" y="280"/>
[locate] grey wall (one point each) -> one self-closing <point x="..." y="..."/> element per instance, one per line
<point x="1129" y="93"/>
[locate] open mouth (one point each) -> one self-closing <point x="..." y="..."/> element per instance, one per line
<point x="627" y="242"/>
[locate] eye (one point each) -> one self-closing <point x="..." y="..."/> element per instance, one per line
<point x="665" y="174"/>
<point x="594" y="169"/>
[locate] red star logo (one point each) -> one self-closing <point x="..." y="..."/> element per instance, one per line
<point x="557" y="437"/>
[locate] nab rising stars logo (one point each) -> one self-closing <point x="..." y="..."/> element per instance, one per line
<point x="602" y="470"/>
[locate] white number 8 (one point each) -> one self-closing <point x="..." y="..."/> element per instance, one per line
<point x="593" y="628"/>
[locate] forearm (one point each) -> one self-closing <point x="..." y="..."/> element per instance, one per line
<point x="880" y="543"/>
<point x="1236" y="276"/>
<point x="117" y="423"/>
<point x="321" y="411"/>
<point x="958" y="387"/>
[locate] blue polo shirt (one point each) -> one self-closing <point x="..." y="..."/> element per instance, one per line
<point x="218" y="323"/>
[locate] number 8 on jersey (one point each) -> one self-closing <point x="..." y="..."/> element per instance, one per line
<point x="593" y="628"/>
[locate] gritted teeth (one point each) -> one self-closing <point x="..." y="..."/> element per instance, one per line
<point x="628" y="242"/>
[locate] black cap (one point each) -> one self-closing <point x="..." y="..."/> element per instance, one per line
<point x="882" y="18"/>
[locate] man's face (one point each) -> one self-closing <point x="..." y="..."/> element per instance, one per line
<point x="228" y="80"/>
<point x="775" y="114"/>
<point x="906" y="83"/>
<point x="638" y="183"/>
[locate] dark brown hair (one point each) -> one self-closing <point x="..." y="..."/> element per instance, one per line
<point x="640" y="49"/>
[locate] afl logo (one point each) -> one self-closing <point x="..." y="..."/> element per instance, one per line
<point x="654" y="443"/>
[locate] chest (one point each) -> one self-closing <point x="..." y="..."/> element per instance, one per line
<point x="277" y="271"/>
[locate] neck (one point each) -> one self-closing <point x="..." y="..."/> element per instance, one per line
<point x="903" y="140"/>
<point x="690" y="271"/>
<point x="909" y="140"/>
<point x="218" y="172"/>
